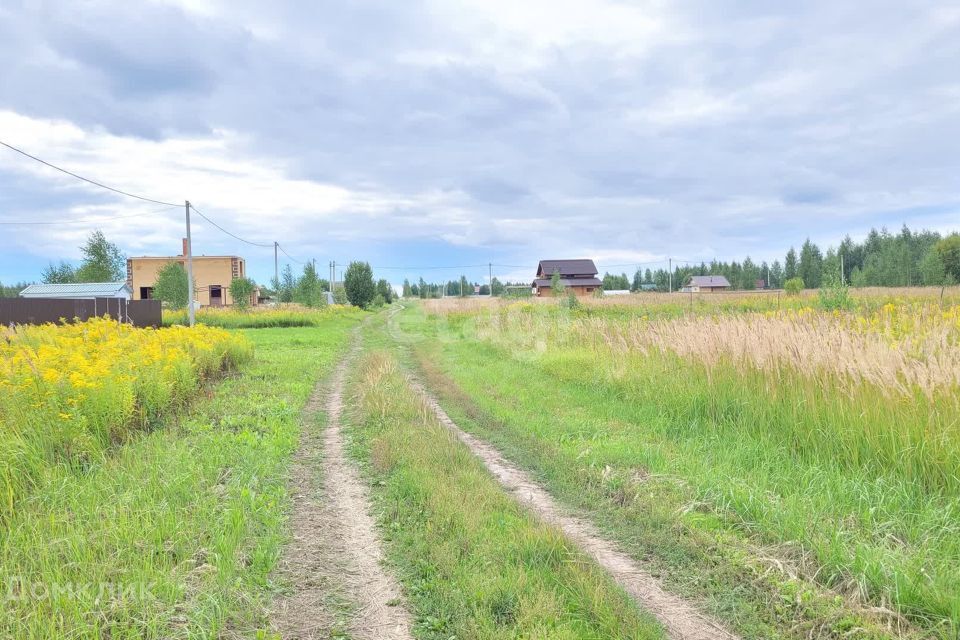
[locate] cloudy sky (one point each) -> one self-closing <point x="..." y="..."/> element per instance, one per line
<point x="460" y="132"/>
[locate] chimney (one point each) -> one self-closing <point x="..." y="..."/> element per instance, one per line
<point x="184" y="247"/>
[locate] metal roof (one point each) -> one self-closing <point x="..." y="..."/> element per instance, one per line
<point x="709" y="281"/>
<point x="78" y="290"/>
<point x="578" y="267"/>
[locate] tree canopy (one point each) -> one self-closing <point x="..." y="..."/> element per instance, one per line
<point x="359" y="285"/>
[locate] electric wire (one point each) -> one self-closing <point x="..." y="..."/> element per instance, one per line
<point x="80" y="177"/>
<point x="232" y="235"/>
<point x="284" y="251"/>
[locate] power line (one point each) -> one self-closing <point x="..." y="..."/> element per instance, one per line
<point x="79" y="177"/>
<point x="87" y="220"/>
<point x="232" y="235"/>
<point x="288" y="255"/>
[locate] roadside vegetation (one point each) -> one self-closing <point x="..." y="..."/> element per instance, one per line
<point x="795" y="471"/>
<point x="287" y="315"/>
<point x="173" y="531"/>
<point x="473" y="563"/>
<point x="70" y="392"/>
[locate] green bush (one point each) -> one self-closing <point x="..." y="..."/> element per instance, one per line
<point x="241" y="290"/>
<point x="793" y="286"/>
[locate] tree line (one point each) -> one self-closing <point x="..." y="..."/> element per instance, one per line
<point x="456" y="288"/>
<point x="883" y="259"/>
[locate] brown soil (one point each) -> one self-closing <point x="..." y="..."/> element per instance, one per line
<point x="679" y="617"/>
<point x="335" y="552"/>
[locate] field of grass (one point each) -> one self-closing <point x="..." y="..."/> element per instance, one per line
<point x="287" y="315"/>
<point x="69" y="392"/>
<point x="473" y="563"/>
<point x="173" y="532"/>
<point x="795" y="471"/>
<point x="653" y="305"/>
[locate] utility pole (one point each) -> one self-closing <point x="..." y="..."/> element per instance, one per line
<point x="670" y="272"/>
<point x="276" y="268"/>
<point x="190" y="310"/>
<point x="843" y="276"/>
<point x="490" y="289"/>
<point x="461" y="286"/>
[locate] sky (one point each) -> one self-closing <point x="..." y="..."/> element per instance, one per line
<point x="452" y="133"/>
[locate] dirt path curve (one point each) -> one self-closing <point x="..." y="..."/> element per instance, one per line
<point x="335" y="551"/>
<point x="681" y="620"/>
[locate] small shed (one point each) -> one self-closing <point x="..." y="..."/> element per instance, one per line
<point x="79" y="291"/>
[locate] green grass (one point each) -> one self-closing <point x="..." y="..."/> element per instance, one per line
<point x="473" y="563"/>
<point x="697" y="491"/>
<point x="174" y="534"/>
<point x="262" y="317"/>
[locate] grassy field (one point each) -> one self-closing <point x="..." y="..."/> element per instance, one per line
<point x="794" y="471"/>
<point x="173" y="532"/>
<point x="473" y="563"/>
<point x="282" y="316"/>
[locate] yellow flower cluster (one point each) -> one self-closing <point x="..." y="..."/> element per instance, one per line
<point x="69" y="391"/>
<point x="288" y="315"/>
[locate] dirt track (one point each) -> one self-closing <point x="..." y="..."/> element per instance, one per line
<point x="335" y="547"/>
<point x="681" y="620"/>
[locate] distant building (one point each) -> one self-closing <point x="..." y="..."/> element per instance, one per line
<point x="648" y="286"/>
<point x="579" y="276"/>
<point x="707" y="284"/>
<point x="617" y="292"/>
<point x="78" y="291"/>
<point x="212" y="274"/>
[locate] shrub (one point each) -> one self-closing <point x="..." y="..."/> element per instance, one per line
<point x="793" y="286"/>
<point x="834" y="294"/>
<point x="241" y="289"/>
<point x="359" y="286"/>
<point x="172" y="286"/>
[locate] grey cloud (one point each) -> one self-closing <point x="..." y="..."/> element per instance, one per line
<point x="752" y="117"/>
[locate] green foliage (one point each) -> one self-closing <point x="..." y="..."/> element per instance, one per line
<point x="12" y="291"/>
<point x="779" y="456"/>
<point x="790" y="266"/>
<point x="556" y="285"/>
<point x="171" y="286"/>
<point x="61" y="273"/>
<point x="834" y="294"/>
<point x="242" y="290"/>
<point x="794" y="286"/>
<point x="948" y="250"/>
<point x="811" y="264"/>
<point x="385" y="291"/>
<point x="358" y="284"/>
<point x="132" y="518"/>
<point x="287" y="287"/>
<point x="933" y="271"/>
<point x="340" y="295"/>
<point x="308" y="290"/>
<point x="615" y="283"/>
<point x="102" y="261"/>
